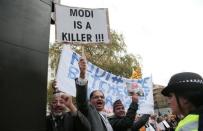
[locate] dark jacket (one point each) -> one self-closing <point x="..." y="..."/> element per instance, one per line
<point x="141" y="122"/>
<point x="68" y="122"/>
<point x="126" y="122"/>
<point x="88" y="110"/>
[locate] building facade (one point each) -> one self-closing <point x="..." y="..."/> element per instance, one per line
<point x="160" y="102"/>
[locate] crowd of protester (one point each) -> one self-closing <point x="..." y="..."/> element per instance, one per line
<point x="90" y="115"/>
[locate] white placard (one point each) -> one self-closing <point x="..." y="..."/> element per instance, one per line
<point x="82" y="25"/>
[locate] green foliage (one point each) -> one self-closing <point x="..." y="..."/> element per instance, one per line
<point x="49" y="92"/>
<point x="112" y="57"/>
<point x="54" y="55"/>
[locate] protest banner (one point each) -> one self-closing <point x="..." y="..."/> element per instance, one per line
<point x="82" y="25"/>
<point x="114" y="87"/>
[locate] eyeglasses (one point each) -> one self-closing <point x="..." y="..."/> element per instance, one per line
<point x="97" y="97"/>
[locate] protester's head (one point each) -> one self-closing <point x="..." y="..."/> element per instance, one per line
<point x="172" y="117"/>
<point x="184" y="92"/>
<point x="97" y="99"/>
<point x="159" y="119"/>
<point x="153" y="117"/>
<point x="57" y="104"/>
<point x="165" y="117"/>
<point x="118" y="108"/>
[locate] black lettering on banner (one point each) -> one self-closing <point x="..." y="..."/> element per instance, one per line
<point x="102" y="37"/>
<point x="88" y="13"/>
<point x="64" y="38"/>
<point x="77" y="24"/>
<point x="68" y="37"/>
<point x="83" y="36"/>
<point x="88" y="26"/>
<point x="72" y="37"/>
<point x="99" y="37"/>
<point x="81" y="13"/>
<point x="89" y="38"/>
<point x="73" y="12"/>
<point x="76" y="37"/>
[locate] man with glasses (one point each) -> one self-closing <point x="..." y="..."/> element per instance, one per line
<point x="93" y="110"/>
<point x="61" y="120"/>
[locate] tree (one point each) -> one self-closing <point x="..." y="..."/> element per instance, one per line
<point x="112" y="57"/>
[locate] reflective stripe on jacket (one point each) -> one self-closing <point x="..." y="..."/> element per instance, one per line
<point x="189" y="123"/>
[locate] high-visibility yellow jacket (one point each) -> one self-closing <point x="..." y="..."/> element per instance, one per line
<point x="189" y="123"/>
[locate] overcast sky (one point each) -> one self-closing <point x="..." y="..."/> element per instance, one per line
<point x="167" y="34"/>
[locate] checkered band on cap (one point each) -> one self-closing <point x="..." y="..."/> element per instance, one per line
<point x="199" y="81"/>
<point x="187" y="81"/>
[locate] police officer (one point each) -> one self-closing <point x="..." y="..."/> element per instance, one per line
<point x="185" y="93"/>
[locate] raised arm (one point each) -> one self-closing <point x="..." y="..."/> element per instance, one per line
<point x="126" y="121"/>
<point x="81" y="88"/>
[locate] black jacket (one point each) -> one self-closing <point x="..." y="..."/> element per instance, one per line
<point x="69" y="122"/>
<point x="141" y="122"/>
<point x="88" y="110"/>
<point x="126" y="122"/>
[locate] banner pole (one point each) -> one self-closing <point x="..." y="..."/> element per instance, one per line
<point x="83" y="52"/>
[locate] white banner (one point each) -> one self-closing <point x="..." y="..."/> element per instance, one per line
<point x="82" y="25"/>
<point x="114" y="87"/>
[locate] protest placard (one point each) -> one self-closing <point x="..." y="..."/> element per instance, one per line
<point x="82" y="25"/>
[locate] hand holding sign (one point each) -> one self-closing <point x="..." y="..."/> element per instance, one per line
<point x="83" y="67"/>
<point x="135" y="97"/>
